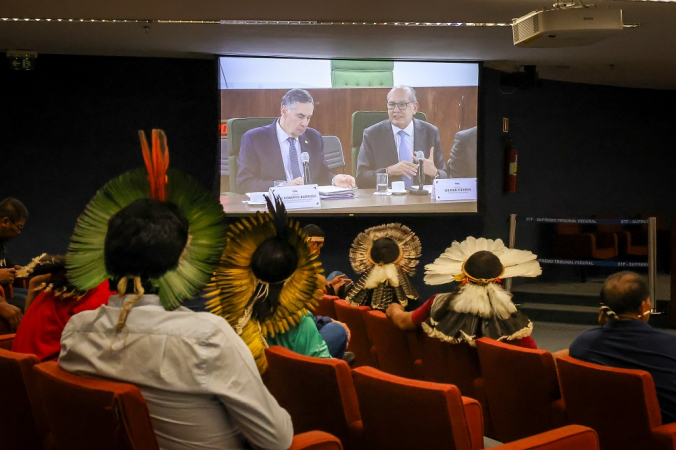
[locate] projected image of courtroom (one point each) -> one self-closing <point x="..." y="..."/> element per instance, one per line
<point x="348" y="136"/>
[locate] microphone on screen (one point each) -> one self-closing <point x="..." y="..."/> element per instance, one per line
<point x="420" y="156"/>
<point x="305" y="158"/>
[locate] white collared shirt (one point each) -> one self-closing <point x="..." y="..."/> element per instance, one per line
<point x="284" y="147"/>
<point x="196" y="374"/>
<point x="409" y="137"/>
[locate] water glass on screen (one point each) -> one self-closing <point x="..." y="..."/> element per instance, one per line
<point x="381" y="184"/>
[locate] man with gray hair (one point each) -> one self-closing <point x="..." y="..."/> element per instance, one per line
<point x="273" y="152"/>
<point x="390" y="146"/>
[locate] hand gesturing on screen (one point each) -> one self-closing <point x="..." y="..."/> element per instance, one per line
<point x="297" y="182"/>
<point x="428" y="164"/>
<point x="404" y="168"/>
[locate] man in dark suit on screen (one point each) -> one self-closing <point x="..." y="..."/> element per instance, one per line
<point x="273" y="152"/>
<point x="390" y="146"/>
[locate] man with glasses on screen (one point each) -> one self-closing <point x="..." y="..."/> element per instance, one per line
<point x="273" y="152"/>
<point x="390" y="146"/>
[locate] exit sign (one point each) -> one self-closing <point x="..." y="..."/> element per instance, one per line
<point x="21" y="59"/>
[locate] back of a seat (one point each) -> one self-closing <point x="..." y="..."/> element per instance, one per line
<point x="359" y="344"/>
<point x="443" y="362"/>
<point x="620" y="404"/>
<point x="569" y="437"/>
<point x="6" y="340"/>
<point x="410" y="414"/>
<point x="521" y="387"/>
<point x="236" y="128"/>
<point x="351" y="73"/>
<point x="315" y="440"/>
<point x="318" y="393"/>
<point x="81" y="411"/>
<point x="325" y="307"/>
<point x="390" y="344"/>
<point x="18" y="430"/>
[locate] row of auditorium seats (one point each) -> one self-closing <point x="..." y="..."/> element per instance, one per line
<point x="45" y="407"/>
<point x="607" y="241"/>
<point x="369" y="409"/>
<point x="522" y="392"/>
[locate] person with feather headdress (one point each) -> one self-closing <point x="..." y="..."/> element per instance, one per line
<point x="385" y="256"/>
<point x="479" y="306"/>
<point x="158" y="236"/>
<point x="267" y="281"/>
<point x="50" y="304"/>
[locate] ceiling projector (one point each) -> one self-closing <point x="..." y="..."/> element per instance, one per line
<point x="566" y="27"/>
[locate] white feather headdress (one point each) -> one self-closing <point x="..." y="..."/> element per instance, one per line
<point x="448" y="267"/>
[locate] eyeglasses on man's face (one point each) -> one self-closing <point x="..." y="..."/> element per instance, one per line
<point x="400" y="105"/>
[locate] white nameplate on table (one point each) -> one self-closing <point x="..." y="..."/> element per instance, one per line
<point x="298" y="197"/>
<point x="455" y="190"/>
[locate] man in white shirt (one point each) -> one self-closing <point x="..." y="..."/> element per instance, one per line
<point x="198" y="377"/>
<point x="390" y="146"/>
<point x="273" y="152"/>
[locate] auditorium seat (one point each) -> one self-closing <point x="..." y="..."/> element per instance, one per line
<point x="315" y="440"/>
<point x="393" y="348"/>
<point x="236" y="128"/>
<point x="571" y="437"/>
<point x="364" y="119"/>
<point x="325" y="307"/>
<point x="90" y="413"/>
<point x="570" y="242"/>
<point x="6" y="341"/>
<point x="457" y="364"/>
<point x="18" y="429"/>
<point x="522" y="390"/>
<point x="318" y="393"/>
<point x="629" y="243"/>
<point x="400" y="413"/>
<point x="359" y="344"/>
<point x="620" y="404"/>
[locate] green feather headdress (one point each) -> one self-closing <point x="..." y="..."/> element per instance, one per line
<point x="206" y="219"/>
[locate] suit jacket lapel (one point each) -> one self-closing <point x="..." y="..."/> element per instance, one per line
<point x="393" y="155"/>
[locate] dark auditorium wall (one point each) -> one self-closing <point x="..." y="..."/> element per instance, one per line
<point x="71" y="125"/>
<point x="583" y="150"/>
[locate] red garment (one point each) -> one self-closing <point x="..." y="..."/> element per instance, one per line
<point x="423" y="312"/>
<point x="40" y="330"/>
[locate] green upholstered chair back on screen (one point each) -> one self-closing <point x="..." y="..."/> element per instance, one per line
<point x="362" y="120"/>
<point x="347" y="73"/>
<point x="236" y="128"/>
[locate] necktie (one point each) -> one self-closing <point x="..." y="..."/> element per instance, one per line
<point x="405" y="154"/>
<point x="293" y="159"/>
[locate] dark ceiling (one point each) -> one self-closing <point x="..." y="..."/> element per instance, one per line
<point x="637" y="57"/>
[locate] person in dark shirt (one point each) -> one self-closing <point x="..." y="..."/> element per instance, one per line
<point x="13" y="215"/>
<point x="627" y="341"/>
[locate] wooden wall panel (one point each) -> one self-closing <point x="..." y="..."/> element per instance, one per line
<point x="449" y="108"/>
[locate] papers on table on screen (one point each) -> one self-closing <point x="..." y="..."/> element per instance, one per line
<point x="335" y="192"/>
